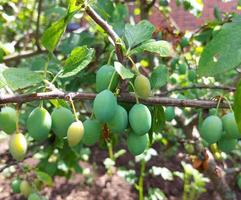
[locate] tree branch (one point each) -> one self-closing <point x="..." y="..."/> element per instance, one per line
<point x="38" y="24"/>
<point x="109" y="30"/>
<point x="26" y="54"/>
<point x="125" y="97"/>
<point x="211" y="87"/>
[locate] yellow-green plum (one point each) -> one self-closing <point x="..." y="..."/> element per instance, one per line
<point x="211" y="129"/>
<point x="105" y="106"/>
<point x="39" y="124"/>
<point x="136" y="144"/>
<point x="92" y="133"/>
<point x="61" y="120"/>
<point x="142" y="86"/>
<point x="120" y="120"/>
<point x="8" y="118"/>
<point x="140" y="119"/>
<point x="25" y="188"/>
<point x="75" y="133"/>
<point x="230" y="126"/>
<point x="104" y="76"/>
<point x="18" y="146"/>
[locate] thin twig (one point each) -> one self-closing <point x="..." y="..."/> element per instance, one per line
<point x="26" y="54"/>
<point x="109" y="30"/>
<point x="211" y="87"/>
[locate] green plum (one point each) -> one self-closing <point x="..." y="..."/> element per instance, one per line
<point x="211" y="129"/>
<point x="39" y="124"/>
<point x="136" y="144"/>
<point x="103" y="78"/>
<point x="92" y="133"/>
<point x="8" y="118"/>
<point x="62" y="118"/>
<point x="120" y="120"/>
<point x="105" y="106"/>
<point x="140" y="119"/>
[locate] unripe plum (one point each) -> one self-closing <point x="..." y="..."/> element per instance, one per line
<point x="169" y="113"/>
<point x="230" y="126"/>
<point x="61" y="120"/>
<point x="8" y="118"/>
<point x="39" y="124"/>
<point x="140" y="119"/>
<point x="18" y="146"/>
<point x="211" y="129"/>
<point x="92" y="133"/>
<point x="103" y="78"/>
<point x="120" y="120"/>
<point x="227" y="144"/>
<point x="136" y="144"/>
<point x="75" y="133"/>
<point x="105" y="106"/>
<point x="142" y="86"/>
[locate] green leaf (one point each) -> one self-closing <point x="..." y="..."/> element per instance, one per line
<point x="158" y="122"/>
<point x="75" y="5"/>
<point x="237" y="105"/>
<point x="2" y="79"/>
<point x="79" y="58"/>
<point x="19" y="78"/>
<point x="123" y="71"/>
<point x="138" y="33"/>
<point x="45" y="178"/>
<point x="159" y="77"/>
<point x="223" y="53"/>
<point x="52" y="35"/>
<point x="161" y="47"/>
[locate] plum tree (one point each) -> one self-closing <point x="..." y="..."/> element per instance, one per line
<point x="227" y="144"/>
<point x="92" y="131"/>
<point x="211" y="129"/>
<point x="8" y="119"/>
<point x="104" y="76"/>
<point x="105" y="106"/>
<point x="18" y="146"/>
<point x="25" y="188"/>
<point x="15" y="185"/>
<point x="39" y="124"/>
<point x="230" y="126"/>
<point x="142" y="86"/>
<point x="140" y="119"/>
<point x="136" y="144"/>
<point x="169" y="113"/>
<point x="75" y="133"/>
<point x="61" y="120"/>
<point x="120" y="120"/>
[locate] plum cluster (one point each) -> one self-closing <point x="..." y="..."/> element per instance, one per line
<point x="223" y="131"/>
<point x="65" y="124"/>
